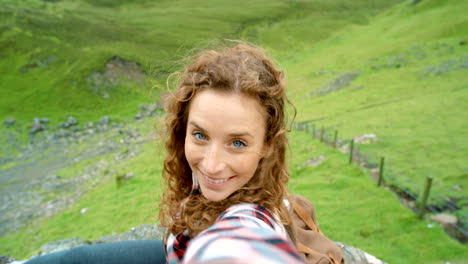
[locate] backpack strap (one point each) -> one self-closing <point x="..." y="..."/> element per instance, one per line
<point x="302" y="213"/>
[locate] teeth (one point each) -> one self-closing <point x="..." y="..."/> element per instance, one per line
<point x="216" y="181"/>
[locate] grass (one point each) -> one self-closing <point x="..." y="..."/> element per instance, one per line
<point x="416" y="109"/>
<point x="350" y="208"/>
<point x="111" y="208"/>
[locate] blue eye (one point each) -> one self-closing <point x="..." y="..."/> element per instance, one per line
<point x="238" y="144"/>
<point x="199" y="135"/>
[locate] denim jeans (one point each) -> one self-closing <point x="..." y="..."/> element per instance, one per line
<point x="132" y="251"/>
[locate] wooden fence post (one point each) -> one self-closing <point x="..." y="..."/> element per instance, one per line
<point x="313" y="130"/>
<point x="381" y="171"/>
<point x="335" y="139"/>
<point x="351" y="150"/>
<point x="427" y="189"/>
<point x="321" y="134"/>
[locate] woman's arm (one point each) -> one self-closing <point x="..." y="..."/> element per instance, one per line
<point x="243" y="233"/>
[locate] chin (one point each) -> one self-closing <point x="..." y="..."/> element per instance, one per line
<point x="215" y="197"/>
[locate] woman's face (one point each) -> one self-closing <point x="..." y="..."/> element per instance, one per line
<point x="224" y="141"/>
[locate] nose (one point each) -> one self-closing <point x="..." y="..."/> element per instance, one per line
<point x="213" y="162"/>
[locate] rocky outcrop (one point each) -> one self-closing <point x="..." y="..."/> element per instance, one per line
<point x="351" y="254"/>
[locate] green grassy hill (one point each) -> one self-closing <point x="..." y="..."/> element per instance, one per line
<point x="397" y="71"/>
<point x="403" y="78"/>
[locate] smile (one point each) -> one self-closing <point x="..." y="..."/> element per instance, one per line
<point x="217" y="181"/>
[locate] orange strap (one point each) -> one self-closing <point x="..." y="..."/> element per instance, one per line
<point x="302" y="213"/>
<point x="304" y="249"/>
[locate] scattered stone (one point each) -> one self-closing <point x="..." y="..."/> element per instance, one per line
<point x="344" y="148"/>
<point x="138" y="116"/>
<point x="9" y="122"/>
<point x="6" y="259"/>
<point x="119" y="179"/>
<point x="37" y="126"/>
<point x="313" y="161"/>
<point x="388" y="62"/>
<point x="354" y="255"/>
<point x="143" y="107"/>
<point x="133" y="133"/>
<point x="36" y="62"/>
<point x="444" y="219"/>
<point x="339" y="83"/>
<point x="60" y="245"/>
<point x="153" y="107"/>
<point x="366" y="139"/>
<point x="147" y="110"/>
<point x="104" y="121"/>
<point x="449" y="65"/>
<point x="142" y="232"/>
<point x="117" y="70"/>
<point x="83" y="211"/>
<point x="374" y="172"/>
<point x="457" y="188"/>
<point x="45" y="120"/>
<point x="71" y="121"/>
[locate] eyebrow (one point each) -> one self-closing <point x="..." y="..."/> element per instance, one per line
<point x="239" y="134"/>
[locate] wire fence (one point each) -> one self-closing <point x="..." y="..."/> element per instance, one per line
<point x="416" y="203"/>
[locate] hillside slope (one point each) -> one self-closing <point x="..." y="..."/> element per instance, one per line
<point x="50" y="49"/>
<point x="402" y="78"/>
<point x="409" y="107"/>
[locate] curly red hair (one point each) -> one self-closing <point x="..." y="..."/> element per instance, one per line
<point x="239" y="69"/>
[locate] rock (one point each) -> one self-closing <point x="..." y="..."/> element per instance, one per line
<point x="133" y="133"/>
<point x="60" y="245"/>
<point x="119" y="179"/>
<point x="37" y="126"/>
<point x="344" y="148"/>
<point x="138" y="116"/>
<point x="450" y="224"/>
<point x="457" y="188"/>
<point x="104" y="121"/>
<point x="354" y="255"/>
<point x="366" y="139"/>
<point x="142" y="232"/>
<point x="71" y="121"/>
<point x="152" y="108"/>
<point x="9" y="122"/>
<point x="314" y="161"/>
<point x="45" y="120"/>
<point x="339" y="83"/>
<point x="444" y="219"/>
<point x="143" y="107"/>
<point x="6" y="259"/>
<point x="83" y="211"/>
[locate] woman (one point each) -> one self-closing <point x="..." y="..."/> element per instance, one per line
<point x="225" y="168"/>
<point x="226" y="143"/>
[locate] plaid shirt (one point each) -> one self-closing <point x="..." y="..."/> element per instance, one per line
<point x="243" y="233"/>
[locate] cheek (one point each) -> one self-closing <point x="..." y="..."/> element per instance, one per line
<point x="248" y="164"/>
<point x="190" y="152"/>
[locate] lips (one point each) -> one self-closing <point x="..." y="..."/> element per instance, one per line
<point x="216" y="181"/>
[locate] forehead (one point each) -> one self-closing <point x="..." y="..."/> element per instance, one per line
<point x="227" y="112"/>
